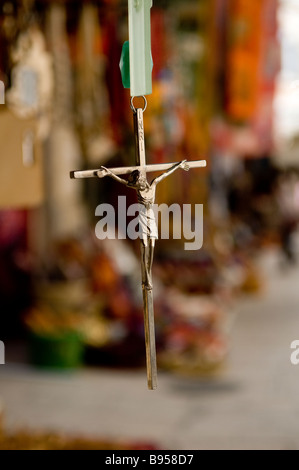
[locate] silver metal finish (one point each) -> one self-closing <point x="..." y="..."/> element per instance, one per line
<point x="126" y="170"/>
<point x="148" y="231"/>
<point x="133" y="107"/>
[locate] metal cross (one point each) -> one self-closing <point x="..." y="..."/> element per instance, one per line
<point x="148" y="231"/>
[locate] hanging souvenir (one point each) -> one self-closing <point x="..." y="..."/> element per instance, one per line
<point x="66" y="212"/>
<point x="140" y="78"/>
<point x="91" y="95"/>
<point x="31" y="91"/>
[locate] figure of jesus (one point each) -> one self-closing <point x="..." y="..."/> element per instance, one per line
<point x="147" y="224"/>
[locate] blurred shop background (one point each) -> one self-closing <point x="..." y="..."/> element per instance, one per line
<point x="225" y="89"/>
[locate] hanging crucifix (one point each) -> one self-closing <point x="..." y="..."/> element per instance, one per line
<point x="140" y="84"/>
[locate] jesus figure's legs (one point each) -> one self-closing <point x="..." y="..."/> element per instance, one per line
<point x="147" y="255"/>
<point x="151" y="249"/>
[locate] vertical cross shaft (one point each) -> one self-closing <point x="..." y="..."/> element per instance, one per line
<point x="148" y="304"/>
<point x="139" y="141"/>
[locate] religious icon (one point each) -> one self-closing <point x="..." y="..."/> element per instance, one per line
<point x="147" y="224"/>
<point x="137" y="179"/>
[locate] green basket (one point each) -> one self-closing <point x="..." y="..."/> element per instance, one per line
<point x="61" y="351"/>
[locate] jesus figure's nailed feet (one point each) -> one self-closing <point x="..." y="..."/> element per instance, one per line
<point x="147" y="286"/>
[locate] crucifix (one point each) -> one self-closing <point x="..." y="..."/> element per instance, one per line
<point x="137" y="175"/>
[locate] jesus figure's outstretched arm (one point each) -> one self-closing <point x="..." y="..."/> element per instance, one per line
<point x="112" y="175"/>
<point x="175" y="167"/>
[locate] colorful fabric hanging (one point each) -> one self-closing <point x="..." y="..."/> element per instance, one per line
<point x="244" y="30"/>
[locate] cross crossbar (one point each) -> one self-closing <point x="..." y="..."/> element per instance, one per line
<point x="126" y="170"/>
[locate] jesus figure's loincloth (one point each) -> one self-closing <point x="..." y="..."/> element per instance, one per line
<point x="147" y="222"/>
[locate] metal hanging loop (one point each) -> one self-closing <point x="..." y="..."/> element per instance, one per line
<point x="133" y="107"/>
